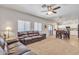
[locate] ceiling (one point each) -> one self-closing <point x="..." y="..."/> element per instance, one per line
<point x="35" y="9"/>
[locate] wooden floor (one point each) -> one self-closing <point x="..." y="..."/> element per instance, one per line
<point x="53" y="46"/>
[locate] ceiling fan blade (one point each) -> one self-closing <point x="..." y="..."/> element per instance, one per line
<point x="54" y="12"/>
<point x="57" y="8"/>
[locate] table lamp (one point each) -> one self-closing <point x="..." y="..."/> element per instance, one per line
<point x="8" y="29"/>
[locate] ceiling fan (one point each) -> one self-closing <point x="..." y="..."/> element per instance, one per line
<point x="50" y="8"/>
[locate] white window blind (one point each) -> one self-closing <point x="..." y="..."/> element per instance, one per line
<point x="37" y="26"/>
<point x="27" y="26"/>
<point x="23" y="26"/>
<point x="20" y="26"/>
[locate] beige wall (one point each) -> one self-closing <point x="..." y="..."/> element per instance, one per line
<point x="10" y="17"/>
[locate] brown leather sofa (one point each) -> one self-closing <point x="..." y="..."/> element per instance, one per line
<point x="14" y="47"/>
<point x="30" y="37"/>
<point x="18" y="48"/>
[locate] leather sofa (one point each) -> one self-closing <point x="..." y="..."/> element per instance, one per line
<point x="14" y="47"/>
<point x="30" y="37"/>
<point x="18" y="48"/>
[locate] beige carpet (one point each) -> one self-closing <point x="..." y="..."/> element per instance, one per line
<point x="53" y="46"/>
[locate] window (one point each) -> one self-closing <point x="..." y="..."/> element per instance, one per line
<point x="27" y="26"/>
<point x="23" y="26"/>
<point x="37" y="26"/>
<point x="20" y="26"/>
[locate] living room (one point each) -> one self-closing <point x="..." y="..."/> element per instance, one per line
<point x="35" y="28"/>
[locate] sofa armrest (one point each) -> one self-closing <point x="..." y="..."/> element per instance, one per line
<point x="43" y="36"/>
<point x="11" y="41"/>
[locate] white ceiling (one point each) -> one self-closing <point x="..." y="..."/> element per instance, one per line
<point x="35" y="9"/>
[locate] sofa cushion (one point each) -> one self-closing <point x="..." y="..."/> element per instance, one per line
<point x="14" y="45"/>
<point x="28" y="38"/>
<point x="21" y="33"/>
<point x="30" y="35"/>
<point x="18" y="50"/>
<point x="21" y="37"/>
<point x="36" y="32"/>
<point x="36" y="36"/>
<point x="24" y="36"/>
<point x="30" y="32"/>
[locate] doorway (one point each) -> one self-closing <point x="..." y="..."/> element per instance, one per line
<point x="50" y="29"/>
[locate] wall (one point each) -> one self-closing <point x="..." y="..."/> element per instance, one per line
<point x="10" y="17"/>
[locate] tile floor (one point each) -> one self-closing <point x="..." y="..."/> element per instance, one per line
<point x="54" y="46"/>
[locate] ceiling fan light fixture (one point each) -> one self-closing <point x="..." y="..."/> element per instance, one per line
<point x="49" y="13"/>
